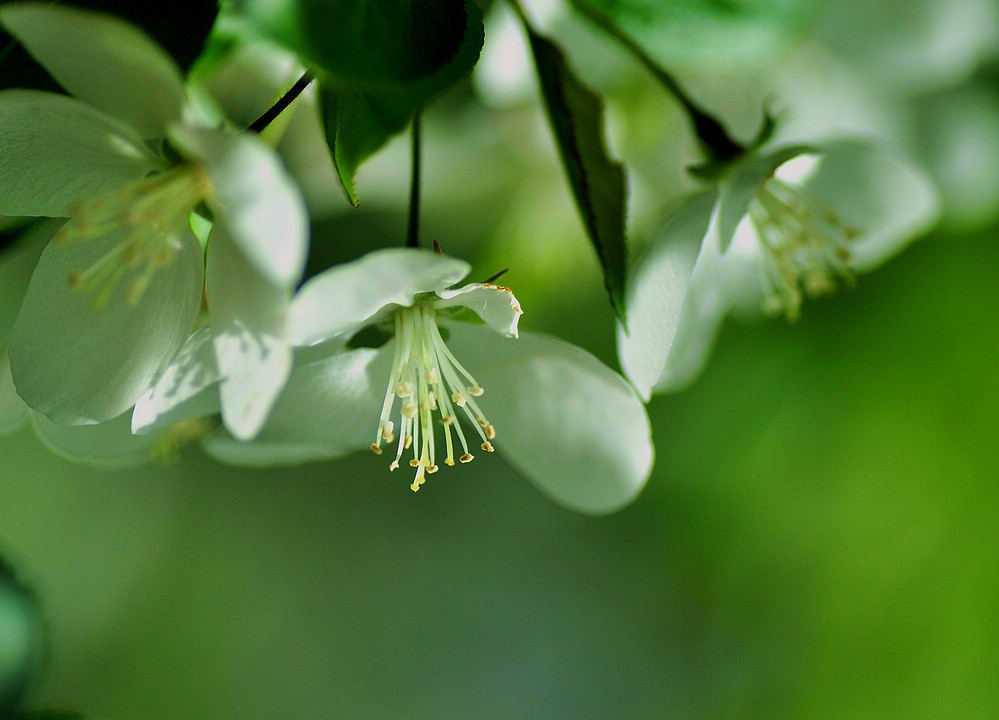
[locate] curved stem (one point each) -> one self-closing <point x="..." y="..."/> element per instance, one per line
<point x="283" y="102"/>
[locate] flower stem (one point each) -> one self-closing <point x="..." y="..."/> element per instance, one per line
<point x="413" y="231"/>
<point x="283" y="102"/>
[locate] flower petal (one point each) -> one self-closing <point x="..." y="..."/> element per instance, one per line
<point x="563" y="419"/>
<point x="107" y="443"/>
<point x="657" y="292"/>
<point x="102" y="60"/>
<point x="328" y="409"/>
<point x="887" y="197"/>
<point x="58" y="151"/>
<point x="78" y="364"/>
<point x="495" y="304"/>
<point x="343" y="298"/>
<point x="13" y="411"/>
<point x="255" y="198"/>
<point x="743" y="183"/>
<point x="184" y="390"/>
<point x="247" y="317"/>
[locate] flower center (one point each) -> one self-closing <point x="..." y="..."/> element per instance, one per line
<point x="431" y="387"/>
<point x="805" y="244"/>
<point x="146" y="215"/>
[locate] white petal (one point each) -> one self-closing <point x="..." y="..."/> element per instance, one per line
<point x="566" y="421"/>
<point x="495" y="304"/>
<point x="247" y="317"/>
<point x="255" y="198"/>
<point x="13" y="411"/>
<point x="103" y="61"/>
<point x="657" y="291"/>
<point x="743" y="183"/>
<point x="58" y="151"/>
<point x="78" y="364"/>
<point x="110" y="442"/>
<point x="704" y="308"/>
<point x="887" y="197"/>
<point x="345" y="297"/>
<point x="185" y="389"/>
<point x="328" y="409"/>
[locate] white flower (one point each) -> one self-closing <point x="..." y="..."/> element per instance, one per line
<point x="442" y="389"/>
<point x="128" y="159"/>
<point x="797" y="221"/>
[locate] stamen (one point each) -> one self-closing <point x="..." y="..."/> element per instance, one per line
<point x="431" y="385"/>
<point x="804" y="244"/>
<point x="145" y="215"/>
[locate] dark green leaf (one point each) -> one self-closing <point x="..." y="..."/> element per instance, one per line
<point x="597" y="181"/>
<point x="181" y="28"/>
<point x="360" y="118"/>
<point x="365" y="41"/>
<point x="703" y="35"/>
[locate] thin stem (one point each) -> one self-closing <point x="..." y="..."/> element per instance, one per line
<point x="413" y="231"/>
<point x="715" y="141"/>
<point x="283" y="102"/>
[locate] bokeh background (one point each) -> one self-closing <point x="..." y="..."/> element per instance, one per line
<point x="818" y="538"/>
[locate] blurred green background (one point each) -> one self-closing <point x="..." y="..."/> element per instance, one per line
<point x="818" y="540"/>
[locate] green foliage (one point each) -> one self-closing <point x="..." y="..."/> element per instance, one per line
<point x="365" y="41"/>
<point x="703" y="34"/>
<point x="180" y="28"/>
<point x="359" y="118"/>
<point x="597" y="181"/>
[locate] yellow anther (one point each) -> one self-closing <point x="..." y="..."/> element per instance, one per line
<point x="431" y="469"/>
<point x="466" y="458"/>
<point x="488" y="447"/>
<point x="375" y="449"/>
<point x="446" y="420"/>
<point x="431" y="376"/>
<point x="414" y="463"/>
<point x="490" y="432"/>
<point x="409" y="410"/>
<point x="475" y="391"/>
<point x="403" y="389"/>
<point x="458" y="399"/>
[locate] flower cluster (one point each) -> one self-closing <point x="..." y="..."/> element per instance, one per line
<point x="166" y="292"/>
<point x="157" y="289"/>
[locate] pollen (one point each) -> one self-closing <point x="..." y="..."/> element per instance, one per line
<point x="428" y="391"/>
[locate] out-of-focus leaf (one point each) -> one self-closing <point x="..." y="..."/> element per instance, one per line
<point x="703" y="35"/>
<point x="365" y="41"/>
<point x="360" y="118"/>
<point x="21" y="639"/>
<point x="597" y="181"/>
<point x="181" y="28"/>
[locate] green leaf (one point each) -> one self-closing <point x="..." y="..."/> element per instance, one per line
<point x="703" y="35"/>
<point x="597" y="181"/>
<point x="359" y="118"/>
<point x="180" y="28"/>
<point x="365" y="41"/>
